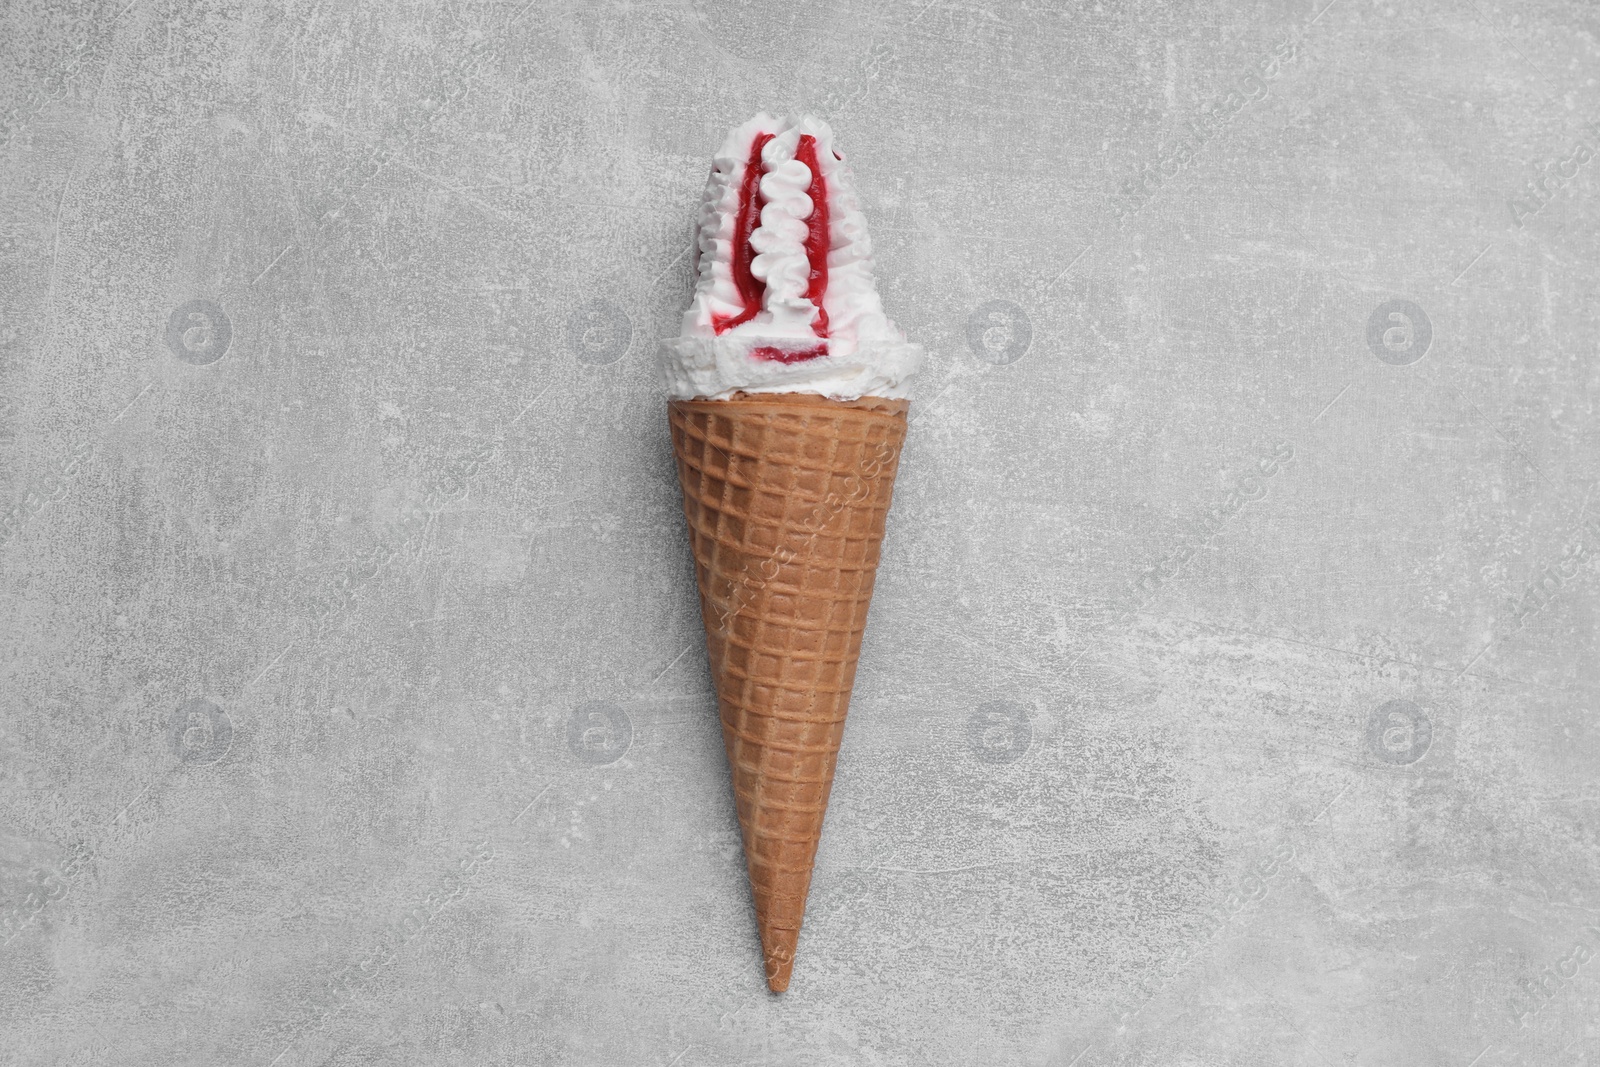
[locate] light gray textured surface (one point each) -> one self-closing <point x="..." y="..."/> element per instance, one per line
<point x="354" y="702"/>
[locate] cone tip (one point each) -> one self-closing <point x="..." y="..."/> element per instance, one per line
<point x="780" y="959"/>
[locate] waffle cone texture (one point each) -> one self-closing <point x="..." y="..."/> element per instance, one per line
<point x="786" y="496"/>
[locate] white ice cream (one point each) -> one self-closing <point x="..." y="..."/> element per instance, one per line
<point x="766" y="318"/>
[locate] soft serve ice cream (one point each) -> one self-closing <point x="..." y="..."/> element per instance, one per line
<point x="785" y="300"/>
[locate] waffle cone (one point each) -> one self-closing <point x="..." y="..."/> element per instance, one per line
<point x="786" y="497"/>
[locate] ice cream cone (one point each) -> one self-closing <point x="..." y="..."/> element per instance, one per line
<point x="785" y="383"/>
<point x="786" y="496"/>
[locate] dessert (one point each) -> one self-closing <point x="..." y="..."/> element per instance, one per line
<point x="787" y="405"/>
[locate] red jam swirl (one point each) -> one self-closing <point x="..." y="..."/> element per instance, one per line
<point x="816" y="232"/>
<point x="779" y="355"/>
<point x="751" y="289"/>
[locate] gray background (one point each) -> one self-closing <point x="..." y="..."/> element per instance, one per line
<point x="355" y="707"/>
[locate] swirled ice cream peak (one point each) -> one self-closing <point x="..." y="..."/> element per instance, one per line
<point x="785" y="299"/>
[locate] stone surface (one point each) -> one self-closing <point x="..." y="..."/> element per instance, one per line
<point x="1229" y="694"/>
